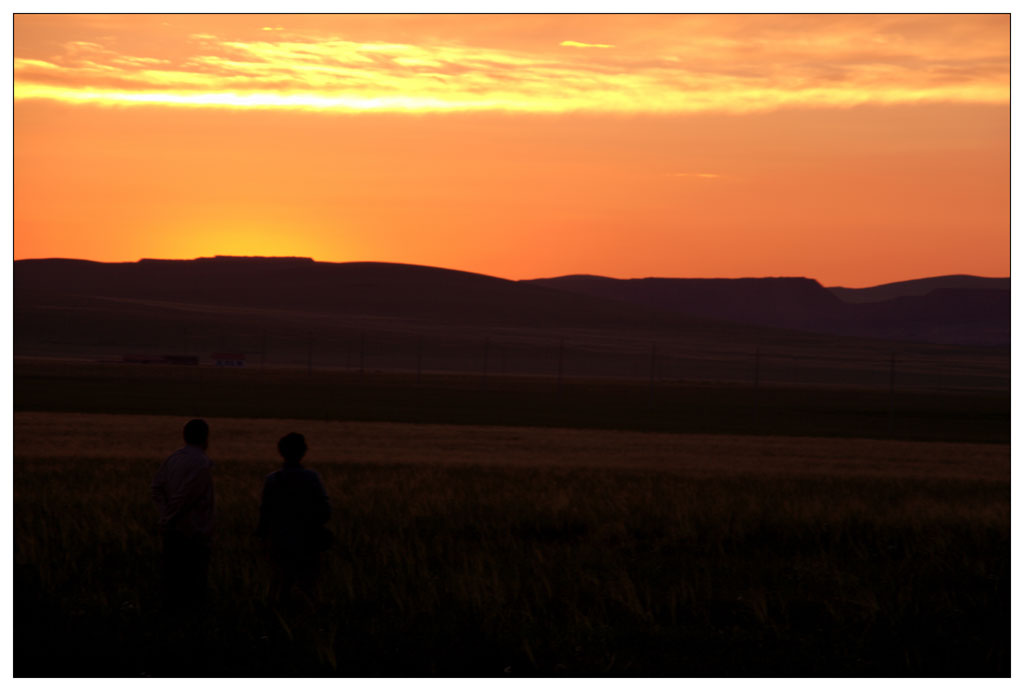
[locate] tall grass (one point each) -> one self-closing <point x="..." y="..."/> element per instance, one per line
<point x="557" y="553"/>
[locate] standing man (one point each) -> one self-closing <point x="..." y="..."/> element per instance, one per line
<point x="293" y="512"/>
<point x="183" y="492"/>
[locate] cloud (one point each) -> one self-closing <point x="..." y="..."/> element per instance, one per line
<point x="577" y="44"/>
<point x="724" y="64"/>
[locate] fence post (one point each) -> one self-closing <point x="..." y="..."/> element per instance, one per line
<point x="892" y="394"/>
<point x="483" y="374"/>
<point x="654" y="361"/>
<point x="362" y="352"/>
<point x="561" y="360"/>
<point x="419" y="358"/>
<point x="309" y="355"/>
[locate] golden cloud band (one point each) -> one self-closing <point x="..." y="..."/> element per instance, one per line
<point x="338" y="75"/>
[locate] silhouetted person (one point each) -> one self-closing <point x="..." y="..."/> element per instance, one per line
<point x="293" y="512"/>
<point x="183" y="492"/>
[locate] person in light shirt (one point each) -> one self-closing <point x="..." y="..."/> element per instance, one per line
<point x="183" y="493"/>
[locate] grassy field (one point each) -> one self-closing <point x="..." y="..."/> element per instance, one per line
<point x="584" y="340"/>
<point x="594" y="403"/>
<point x="491" y="551"/>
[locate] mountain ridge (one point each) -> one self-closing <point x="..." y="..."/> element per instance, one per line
<point x="934" y="310"/>
<point x="920" y="286"/>
<point x="926" y="310"/>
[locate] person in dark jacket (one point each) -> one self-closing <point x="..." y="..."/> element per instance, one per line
<point x="293" y="512"/>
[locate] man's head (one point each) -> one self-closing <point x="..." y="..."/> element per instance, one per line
<point x="197" y="433"/>
<point x="292" y="447"/>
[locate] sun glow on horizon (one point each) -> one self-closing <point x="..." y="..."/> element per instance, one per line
<point x="853" y="149"/>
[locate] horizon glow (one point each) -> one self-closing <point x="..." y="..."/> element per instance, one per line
<point x="856" y="150"/>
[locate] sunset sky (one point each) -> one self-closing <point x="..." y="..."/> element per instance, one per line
<point x="856" y="150"/>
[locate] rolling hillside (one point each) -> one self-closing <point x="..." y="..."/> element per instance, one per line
<point x="921" y="286"/>
<point x="301" y="285"/>
<point x="376" y="316"/>
<point x="953" y="310"/>
<point x="278" y="305"/>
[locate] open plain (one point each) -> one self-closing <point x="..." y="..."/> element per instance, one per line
<point x="474" y="549"/>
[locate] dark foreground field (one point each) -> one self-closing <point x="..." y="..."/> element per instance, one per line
<point x="471" y="550"/>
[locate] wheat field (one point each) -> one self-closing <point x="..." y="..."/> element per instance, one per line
<point x="491" y="551"/>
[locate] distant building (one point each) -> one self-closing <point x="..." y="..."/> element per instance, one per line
<point x="145" y="359"/>
<point x="181" y="359"/>
<point x="141" y="359"/>
<point x="229" y="359"/>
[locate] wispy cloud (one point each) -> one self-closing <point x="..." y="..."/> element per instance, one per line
<point x="706" y="176"/>
<point x="744" y="67"/>
<point x="577" y="44"/>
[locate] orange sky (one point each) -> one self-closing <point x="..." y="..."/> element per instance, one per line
<point x="852" y="149"/>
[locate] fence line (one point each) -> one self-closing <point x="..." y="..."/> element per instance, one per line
<point x="562" y="358"/>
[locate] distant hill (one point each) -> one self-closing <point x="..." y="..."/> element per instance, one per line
<point x="73" y="307"/>
<point x="299" y="285"/>
<point x="953" y="309"/>
<point x="970" y="317"/>
<point x="920" y="286"/>
<point x="780" y="302"/>
<point x="388" y="317"/>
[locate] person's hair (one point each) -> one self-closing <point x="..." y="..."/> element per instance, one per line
<point x="292" y="446"/>
<point x="196" y="432"/>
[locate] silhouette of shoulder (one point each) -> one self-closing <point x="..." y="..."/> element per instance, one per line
<point x="293" y="498"/>
<point x="294" y="479"/>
